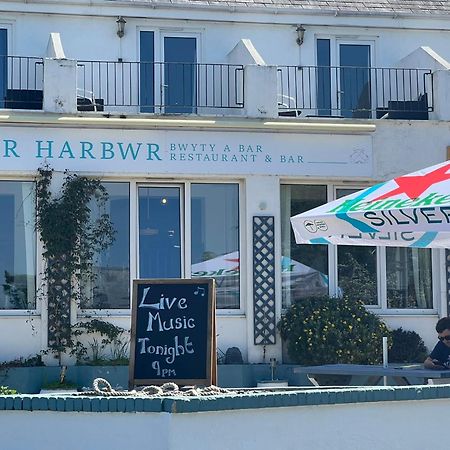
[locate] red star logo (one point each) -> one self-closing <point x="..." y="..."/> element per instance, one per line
<point x="415" y="185"/>
<point x="233" y="260"/>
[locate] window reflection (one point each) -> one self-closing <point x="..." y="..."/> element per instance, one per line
<point x="409" y="278"/>
<point x="304" y="267"/>
<point x="357" y="268"/>
<point x="111" y="286"/>
<point x="159" y="232"/>
<point x="357" y="273"/>
<point x="355" y="83"/>
<point x="180" y="57"/>
<point x="323" y="77"/>
<point x="17" y="246"/>
<point x="215" y="239"/>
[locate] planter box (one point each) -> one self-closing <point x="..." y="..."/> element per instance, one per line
<point x="29" y="380"/>
<point x="117" y="376"/>
<point x="25" y="380"/>
<point x="235" y="375"/>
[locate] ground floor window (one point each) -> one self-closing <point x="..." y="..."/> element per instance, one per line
<point x="357" y="268"/>
<point x="160" y="246"/>
<point x="17" y="245"/>
<point x="215" y="239"/>
<point x="304" y="268"/>
<point x="357" y="272"/>
<point x="181" y="230"/>
<point x="111" y="285"/>
<point x="409" y="278"/>
<point x="191" y="228"/>
<point x="390" y="278"/>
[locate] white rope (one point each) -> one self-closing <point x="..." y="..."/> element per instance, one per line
<point x="103" y="387"/>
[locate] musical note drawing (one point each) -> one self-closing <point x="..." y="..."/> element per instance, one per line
<point x="200" y="290"/>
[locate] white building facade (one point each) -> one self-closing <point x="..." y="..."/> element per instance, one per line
<point x="210" y="125"/>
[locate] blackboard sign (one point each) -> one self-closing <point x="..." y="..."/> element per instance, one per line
<point x="173" y="332"/>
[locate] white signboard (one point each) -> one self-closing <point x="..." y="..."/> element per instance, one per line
<point x="185" y="152"/>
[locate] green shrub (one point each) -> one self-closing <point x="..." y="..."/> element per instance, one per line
<point x="407" y="346"/>
<point x="326" y="330"/>
<point x="5" y="390"/>
<point x="54" y="385"/>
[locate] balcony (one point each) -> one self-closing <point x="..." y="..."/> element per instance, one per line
<point x="119" y="87"/>
<point x="160" y="88"/>
<point x="21" y="82"/>
<point x="355" y="92"/>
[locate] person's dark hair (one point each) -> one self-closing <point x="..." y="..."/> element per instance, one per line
<point x="443" y="324"/>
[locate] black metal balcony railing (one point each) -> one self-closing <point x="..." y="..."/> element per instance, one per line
<point x="159" y="87"/>
<point x="21" y="82"/>
<point x="356" y="92"/>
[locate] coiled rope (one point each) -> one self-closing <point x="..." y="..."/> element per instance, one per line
<point x="103" y="388"/>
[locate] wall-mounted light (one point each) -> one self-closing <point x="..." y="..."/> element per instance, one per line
<point x="121" y="26"/>
<point x="300" y="34"/>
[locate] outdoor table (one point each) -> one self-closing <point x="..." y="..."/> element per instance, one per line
<point x="372" y="374"/>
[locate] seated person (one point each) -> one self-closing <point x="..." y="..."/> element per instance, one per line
<point x="440" y="356"/>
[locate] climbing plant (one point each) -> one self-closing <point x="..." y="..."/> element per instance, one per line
<point x="71" y="236"/>
<point x="95" y="337"/>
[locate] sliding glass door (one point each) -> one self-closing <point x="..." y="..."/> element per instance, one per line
<point x="159" y="232"/>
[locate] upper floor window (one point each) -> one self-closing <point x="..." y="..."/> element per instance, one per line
<point x="3" y="66"/>
<point x="21" y="78"/>
<point x="17" y="245"/>
<point x="346" y="73"/>
<point x="348" y="84"/>
<point x="171" y="82"/>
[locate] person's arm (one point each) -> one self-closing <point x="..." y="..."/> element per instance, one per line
<point x="432" y="364"/>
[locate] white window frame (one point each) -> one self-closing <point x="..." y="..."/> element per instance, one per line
<point x="338" y="43"/>
<point x="437" y="262"/>
<point x="185" y="229"/>
<point x="38" y="264"/>
<point x="182" y="197"/>
<point x="381" y="307"/>
<point x="166" y="34"/>
<point x="158" y="41"/>
<point x="133" y="255"/>
<point x="8" y="25"/>
<point x="335" y="41"/>
<point x="243" y="264"/>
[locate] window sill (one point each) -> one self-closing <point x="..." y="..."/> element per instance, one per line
<point x="404" y="312"/>
<point x="90" y="313"/>
<point x="19" y="312"/>
<point x="234" y="313"/>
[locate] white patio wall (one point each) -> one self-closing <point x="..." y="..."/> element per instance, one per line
<point x="412" y="425"/>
